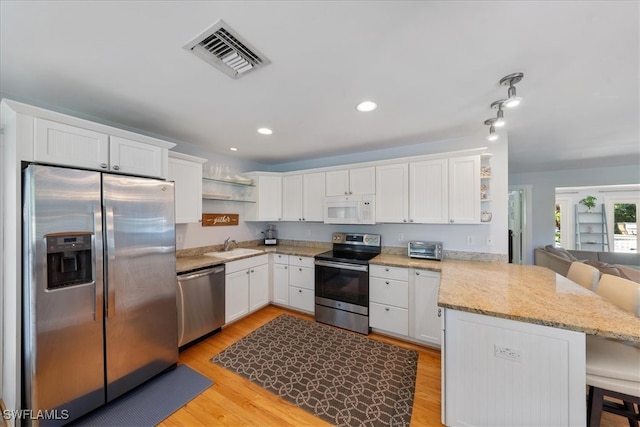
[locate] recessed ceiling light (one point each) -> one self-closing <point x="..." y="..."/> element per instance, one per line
<point x="233" y="149"/>
<point x="366" y="106"/>
<point x="265" y="131"/>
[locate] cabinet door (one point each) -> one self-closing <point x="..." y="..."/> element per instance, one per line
<point x="429" y="192"/>
<point x="392" y="193"/>
<point x="337" y="183"/>
<point x="464" y="190"/>
<point x="313" y="191"/>
<point x="281" y="284"/>
<point x="236" y="298"/>
<point x="292" y="198"/>
<point x="302" y="299"/>
<point x="187" y="176"/>
<point x="258" y="287"/>
<point x="427" y="325"/>
<point x="269" y="202"/>
<point x="136" y="158"/>
<point x="389" y="318"/>
<point x="61" y="144"/>
<point x="362" y="181"/>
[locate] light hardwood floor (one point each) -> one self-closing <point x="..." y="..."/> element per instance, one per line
<point x="235" y="401"/>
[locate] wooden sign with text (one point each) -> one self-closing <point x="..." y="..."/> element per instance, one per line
<point x="218" y="219"/>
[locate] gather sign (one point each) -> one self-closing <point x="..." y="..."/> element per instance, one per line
<point x="219" y="219"/>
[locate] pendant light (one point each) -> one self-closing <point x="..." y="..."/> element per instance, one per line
<point x="500" y="122"/>
<point x="512" y="99"/>
<point x="492" y="130"/>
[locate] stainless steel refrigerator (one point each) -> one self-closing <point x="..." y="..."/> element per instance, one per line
<point x="99" y="287"/>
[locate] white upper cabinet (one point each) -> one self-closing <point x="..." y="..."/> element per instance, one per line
<point x="268" y="205"/>
<point x="186" y="172"/>
<point x="63" y="144"/>
<point x="313" y="191"/>
<point x="429" y="192"/>
<point x="303" y="197"/>
<point x="351" y="181"/>
<point x="292" y="198"/>
<point x="464" y="190"/>
<point x="392" y="193"/>
<point x="135" y="158"/>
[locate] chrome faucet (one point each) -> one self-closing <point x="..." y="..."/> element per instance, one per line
<point x="227" y="243"/>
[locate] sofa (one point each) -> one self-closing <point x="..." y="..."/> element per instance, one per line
<point x="625" y="265"/>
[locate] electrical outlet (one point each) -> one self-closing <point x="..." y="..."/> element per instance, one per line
<point x="400" y="237"/>
<point x="489" y="241"/>
<point x="507" y="353"/>
<point x="469" y="240"/>
<point x="178" y="238"/>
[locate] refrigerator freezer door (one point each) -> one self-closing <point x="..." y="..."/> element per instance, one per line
<point x="63" y="299"/>
<point x="140" y="319"/>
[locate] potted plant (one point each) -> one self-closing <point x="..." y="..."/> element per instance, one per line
<point x="589" y="202"/>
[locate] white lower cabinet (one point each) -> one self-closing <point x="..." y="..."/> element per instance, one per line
<point x="426" y="316"/>
<point x="389" y="299"/>
<point x="281" y="279"/>
<point x="404" y="302"/>
<point x="246" y="286"/>
<point x="302" y="283"/>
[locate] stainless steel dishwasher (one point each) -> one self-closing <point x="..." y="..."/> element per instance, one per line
<point x="200" y="303"/>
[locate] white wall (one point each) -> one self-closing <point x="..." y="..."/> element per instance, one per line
<point x="543" y="194"/>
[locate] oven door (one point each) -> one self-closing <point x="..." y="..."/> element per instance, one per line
<point x="344" y="283"/>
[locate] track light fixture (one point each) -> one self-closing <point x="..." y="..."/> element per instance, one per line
<point x="512" y="99"/>
<point x="492" y="130"/>
<point x="500" y="116"/>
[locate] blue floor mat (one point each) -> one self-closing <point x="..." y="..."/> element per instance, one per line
<point x="150" y="403"/>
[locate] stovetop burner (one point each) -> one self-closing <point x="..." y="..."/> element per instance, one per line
<point x="352" y="248"/>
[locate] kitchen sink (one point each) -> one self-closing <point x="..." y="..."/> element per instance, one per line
<point x="234" y="253"/>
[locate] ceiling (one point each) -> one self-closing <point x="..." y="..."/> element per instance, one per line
<point x="433" y="67"/>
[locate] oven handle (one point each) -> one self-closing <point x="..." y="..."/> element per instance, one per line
<point x="343" y="265"/>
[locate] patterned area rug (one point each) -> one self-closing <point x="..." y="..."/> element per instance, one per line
<point x="339" y="376"/>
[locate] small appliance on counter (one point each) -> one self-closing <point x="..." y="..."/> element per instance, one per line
<point x="425" y="250"/>
<point x="270" y="235"/>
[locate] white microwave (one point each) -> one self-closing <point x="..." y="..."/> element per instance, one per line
<point x="358" y="209"/>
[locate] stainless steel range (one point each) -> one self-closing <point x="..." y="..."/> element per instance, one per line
<point x="342" y="281"/>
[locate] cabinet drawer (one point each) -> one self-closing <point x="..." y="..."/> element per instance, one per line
<point x="302" y="299"/>
<point x="301" y="261"/>
<point x="302" y="277"/>
<point x="243" y="264"/>
<point x="395" y="273"/>
<point x="389" y="318"/>
<point x="280" y="259"/>
<point x="389" y="291"/>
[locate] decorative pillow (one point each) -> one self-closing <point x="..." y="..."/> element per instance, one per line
<point x="561" y="252"/>
<point x="629" y="273"/>
<point x="603" y="267"/>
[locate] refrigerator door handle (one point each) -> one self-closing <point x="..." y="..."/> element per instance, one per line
<point x="97" y="229"/>
<point x="111" y="256"/>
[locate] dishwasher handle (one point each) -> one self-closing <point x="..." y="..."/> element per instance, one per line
<point x="200" y="273"/>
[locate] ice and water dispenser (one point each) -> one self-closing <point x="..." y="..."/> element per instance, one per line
<point x="69" y="259"/>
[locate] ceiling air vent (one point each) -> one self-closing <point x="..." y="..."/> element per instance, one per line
<point x="223" y="48"/>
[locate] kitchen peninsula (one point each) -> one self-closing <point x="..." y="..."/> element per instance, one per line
<point x="514" y="338"/>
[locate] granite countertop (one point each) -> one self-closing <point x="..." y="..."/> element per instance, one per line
<point x="524" y="293"/>
<point x="532" y="294"/>
<point x="192" y="261"/>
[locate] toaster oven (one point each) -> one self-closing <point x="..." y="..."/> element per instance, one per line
<point x="425" y="250"/>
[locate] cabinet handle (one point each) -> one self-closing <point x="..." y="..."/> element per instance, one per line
<point x="247" y="271"/>
<point x="300" y="290"/>
<point x="103" y="165"/>
<point x="252" y="271"/>
<point x="346" y="193"/>
<point x="386" y="269"/>
<point x="299" y="219"/>
<point x="116" y="167"/>
<point x="451" y="221"/>
<point x="303" y="219"/>
<point x="439" y="312"/>
<point x="410" y="220"/>
<point x="404" y="220"/>
<point x="300" y="269"/>
<point x="386" y="309"/>
<point x="387" y="282"/>
<point x="285" y="268"/>
<point x="417" y="273"/>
